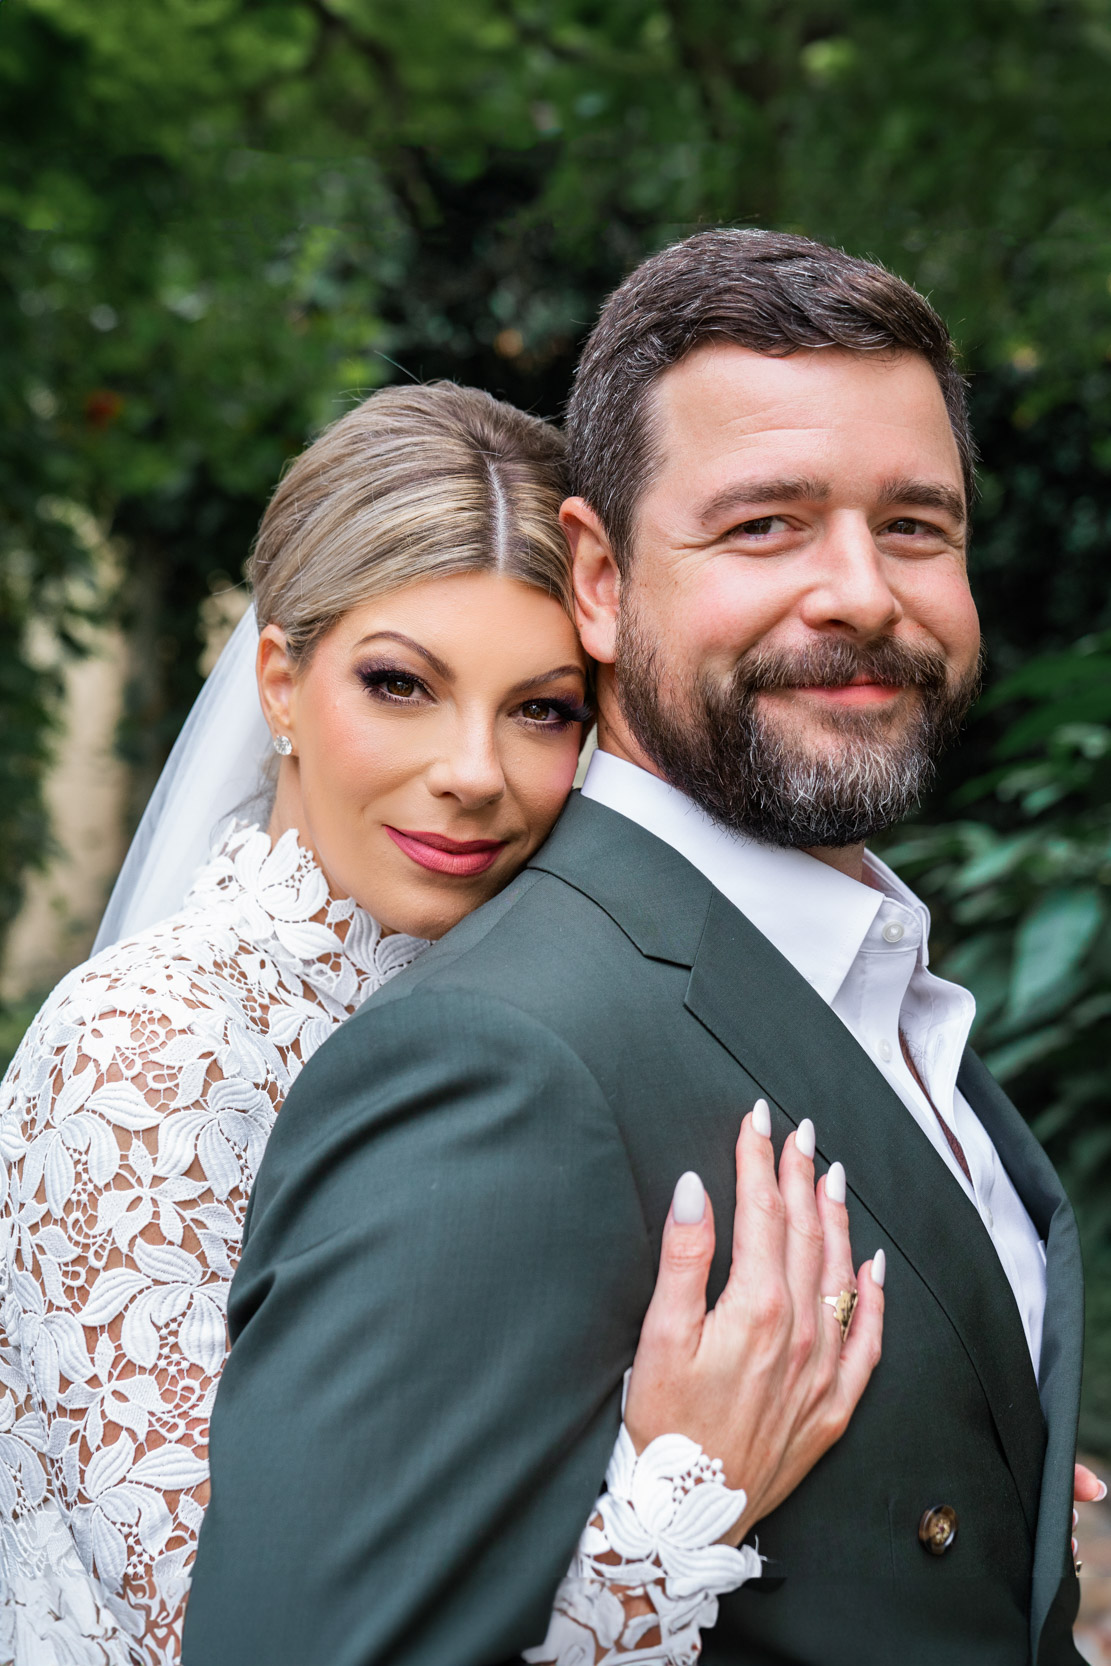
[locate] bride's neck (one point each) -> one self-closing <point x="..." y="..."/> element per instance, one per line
<point x="289" y="813"/>
<point x="288" y="809"/>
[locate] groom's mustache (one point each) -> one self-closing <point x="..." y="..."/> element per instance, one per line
<point x="836" y="662"/>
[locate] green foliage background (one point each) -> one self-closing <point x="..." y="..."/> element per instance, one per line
<point x="221" y="220"/>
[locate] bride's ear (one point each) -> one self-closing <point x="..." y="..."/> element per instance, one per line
<point x="274" y="668"/>
<point x="596" y="579"/>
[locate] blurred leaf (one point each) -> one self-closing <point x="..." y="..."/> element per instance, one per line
<point x="994" y="861"/>
<point x="1052" y="939"/>
<point x="1007" y="1062"/>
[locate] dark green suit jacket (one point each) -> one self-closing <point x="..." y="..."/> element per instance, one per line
<point x="451" y="1245"/>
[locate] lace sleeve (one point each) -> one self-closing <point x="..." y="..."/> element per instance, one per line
<point x="131" y="1124"/>
<point x="648" y="1569"/>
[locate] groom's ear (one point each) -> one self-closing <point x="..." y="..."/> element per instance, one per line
<point x="596" y="578"/>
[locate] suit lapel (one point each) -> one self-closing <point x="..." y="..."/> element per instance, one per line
<point x="1041" y="1191"/>
<point x="655" y="895"/>
<point x="804" y="1058"/>
<point x="1034" y="1177"/>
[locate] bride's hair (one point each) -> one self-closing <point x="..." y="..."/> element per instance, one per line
<point x="415" y="483"/>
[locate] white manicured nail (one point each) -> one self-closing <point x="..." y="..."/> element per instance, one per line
<point x="1101" y="1494"/>
<point x="689" y="1203"/>
<point x="835" y="1183"/>
<point x="804" y="1138"/>
<point x="879" y="1268"/>
<point x="1076" y="1518"/>
<point x="762" y="1118"/>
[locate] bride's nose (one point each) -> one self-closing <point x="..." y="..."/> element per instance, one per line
<point x="469" y="768"/>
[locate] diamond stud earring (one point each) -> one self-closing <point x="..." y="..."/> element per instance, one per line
<point x="283" y="746"/>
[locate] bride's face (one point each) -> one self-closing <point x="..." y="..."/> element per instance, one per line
<point x="435" y="736"/>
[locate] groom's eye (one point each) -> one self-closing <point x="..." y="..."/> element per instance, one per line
<point x="910" y="526"/>
<point x="762" y="526"/>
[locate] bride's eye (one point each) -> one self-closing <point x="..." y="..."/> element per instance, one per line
<point x="391" y="686"/>
<point x="553" y="714"/>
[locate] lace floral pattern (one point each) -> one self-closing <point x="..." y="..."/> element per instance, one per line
<point x="132" y="1122"/>
<point x="662" y="1514"/>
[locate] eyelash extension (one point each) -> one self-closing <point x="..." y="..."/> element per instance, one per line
<point x="567" y="713"/>
<point x="376" y="676"/>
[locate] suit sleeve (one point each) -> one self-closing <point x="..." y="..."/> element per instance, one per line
<point x="442" y="1285"/>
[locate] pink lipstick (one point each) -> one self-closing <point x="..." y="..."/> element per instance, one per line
<point x="463" y="857"/>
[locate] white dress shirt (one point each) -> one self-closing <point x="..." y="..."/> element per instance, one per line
<point x="864" y="949"/>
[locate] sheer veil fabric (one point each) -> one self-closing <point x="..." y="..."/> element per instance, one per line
<point x="215" y="771"/>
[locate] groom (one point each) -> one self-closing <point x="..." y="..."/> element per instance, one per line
<point x="772" y="459"/>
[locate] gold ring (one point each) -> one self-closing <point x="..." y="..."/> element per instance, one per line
<point x="844" y="1306"/>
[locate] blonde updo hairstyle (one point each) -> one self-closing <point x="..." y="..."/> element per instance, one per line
<point x="415" y="483"/>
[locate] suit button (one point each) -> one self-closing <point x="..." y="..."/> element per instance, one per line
<point x="938" y="1529"/>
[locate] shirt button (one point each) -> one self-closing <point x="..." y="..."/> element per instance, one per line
<point x="893" y="932"/>
<point x="885" y="1051"/>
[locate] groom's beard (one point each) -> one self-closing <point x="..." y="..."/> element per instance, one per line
<point x="716" y="744"/>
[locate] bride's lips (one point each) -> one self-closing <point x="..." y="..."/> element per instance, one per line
<point x="462" y="857"/>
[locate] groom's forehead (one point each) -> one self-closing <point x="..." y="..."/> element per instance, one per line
<point x="816" y="412"/>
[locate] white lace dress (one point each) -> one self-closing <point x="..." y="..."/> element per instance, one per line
<point x="132" y="1121"/>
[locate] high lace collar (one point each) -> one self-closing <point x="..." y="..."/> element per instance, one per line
<point x="279" y="900"/>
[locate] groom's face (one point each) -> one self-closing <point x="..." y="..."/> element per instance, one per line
<point x="796" y="589"/>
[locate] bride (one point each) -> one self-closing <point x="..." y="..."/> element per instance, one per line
<point x="422" y="699"/>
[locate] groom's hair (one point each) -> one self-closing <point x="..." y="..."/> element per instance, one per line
<point x="764" y="290"/>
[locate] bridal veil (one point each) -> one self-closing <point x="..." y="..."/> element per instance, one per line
<point x="217" y="768"/>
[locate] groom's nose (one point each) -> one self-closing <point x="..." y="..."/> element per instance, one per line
<point x="469" y="768"/>
<point x="848" y="580"/>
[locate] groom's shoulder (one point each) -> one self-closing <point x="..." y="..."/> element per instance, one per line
<point x="540" y="946"/>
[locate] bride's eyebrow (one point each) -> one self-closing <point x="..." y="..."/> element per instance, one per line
<point x="426" y="654"/>
<point x="548" y="677"/>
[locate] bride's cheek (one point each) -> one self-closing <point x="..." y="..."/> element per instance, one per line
<point x="543" y="787"/>
<point x="368" y="753"/>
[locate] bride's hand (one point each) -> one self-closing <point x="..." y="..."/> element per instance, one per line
<point x="763" y="1381"/>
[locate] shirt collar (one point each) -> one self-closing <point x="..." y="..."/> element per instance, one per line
<point x="886" y="880"/>
<point x="815" y="916"/>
